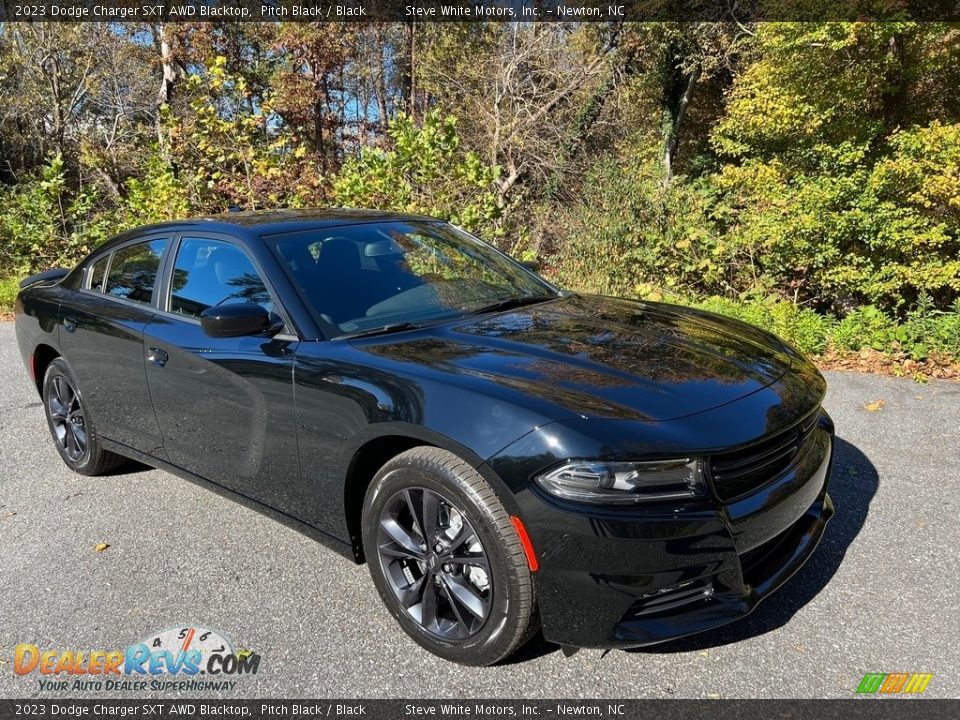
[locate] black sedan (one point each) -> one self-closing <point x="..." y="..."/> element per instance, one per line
<point x="504" y="455"/>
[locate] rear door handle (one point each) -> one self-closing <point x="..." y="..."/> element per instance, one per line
<point x="69" y="324"/>
<point x="158" y="357"/>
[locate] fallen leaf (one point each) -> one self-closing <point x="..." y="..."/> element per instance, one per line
<point x="101" y="547"/>
<point x="875" y="405"/>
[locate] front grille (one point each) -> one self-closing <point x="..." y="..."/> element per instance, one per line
<point x="739" y="472"/>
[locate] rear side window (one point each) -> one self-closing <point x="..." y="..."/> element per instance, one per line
<point x="97" y="273"/>
<point x="209" y="272"/>
<point x="133" y="271"/>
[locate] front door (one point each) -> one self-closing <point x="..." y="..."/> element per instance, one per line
<point x="225" y="405"/>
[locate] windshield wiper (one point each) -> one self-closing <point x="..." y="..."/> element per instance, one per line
<point x="510" y="303"/>
<point x="382" y="330"/>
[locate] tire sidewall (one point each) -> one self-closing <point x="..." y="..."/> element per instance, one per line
<point x="59" y="368"/>
<point x="495" y="638"/>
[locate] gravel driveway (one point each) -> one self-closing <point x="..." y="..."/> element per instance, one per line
<point x="881" y="594"/>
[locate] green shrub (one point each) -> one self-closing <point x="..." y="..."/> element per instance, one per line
<point x="9" y="287"/>
<point x="229" y="150"/>
<point x="629" y="231"/>
<point x="425" y="171"/>
<point x="843" y="228"/>
<point x="866" y="327"/>
<point x="45" y="224"/>
<point x="154" y="197"/>
<point x="843" y="186"/>
<point x="803" y="328"/>
<point x="924" y="330"/>
<point x="927" y="329"/>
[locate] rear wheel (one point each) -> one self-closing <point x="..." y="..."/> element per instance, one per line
<point x="71" y="426"/>
<point x="446" y="558"/>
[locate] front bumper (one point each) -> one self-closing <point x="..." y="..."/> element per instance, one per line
<point x="610" y="579"/>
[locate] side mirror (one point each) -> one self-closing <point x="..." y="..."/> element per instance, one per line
<point x="223" y="321"/>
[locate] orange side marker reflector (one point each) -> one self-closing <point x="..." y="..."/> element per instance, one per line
<point x="527" y="545"/>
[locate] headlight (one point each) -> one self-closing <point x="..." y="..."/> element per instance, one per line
<point x="623" y="483"/>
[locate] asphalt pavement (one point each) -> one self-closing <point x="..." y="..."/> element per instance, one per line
<point x="881" y="594"/>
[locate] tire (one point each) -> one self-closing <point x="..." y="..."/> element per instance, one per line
<point x="73" y="430"/>
<point x="481" y="611"/>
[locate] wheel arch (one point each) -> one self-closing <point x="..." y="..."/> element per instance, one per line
<point x="370" y="453"/>
<point x="43" y="355"/>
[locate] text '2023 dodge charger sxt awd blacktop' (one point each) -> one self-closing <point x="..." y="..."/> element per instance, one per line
<point x="503" y="455"/>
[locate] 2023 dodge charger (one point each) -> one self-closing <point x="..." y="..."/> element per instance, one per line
<point x="501" y="454"/>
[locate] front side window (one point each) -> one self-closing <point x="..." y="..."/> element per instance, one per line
<point x="364" y="277"/>
<point x="210" y="272"/>
<point x="133" y="271"/>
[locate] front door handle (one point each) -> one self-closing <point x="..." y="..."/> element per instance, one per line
<point x="69" y="324"/>
<point x="158" y="357"/>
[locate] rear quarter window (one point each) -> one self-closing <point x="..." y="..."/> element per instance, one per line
<point x="97" y="273"/>
<point x="133" y="271"/>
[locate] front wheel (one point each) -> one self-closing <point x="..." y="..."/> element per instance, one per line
<point x="446" y="559"/>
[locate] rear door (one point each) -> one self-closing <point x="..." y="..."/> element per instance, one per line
<point x="225" y="405"/>
<point x="101" y="336"/>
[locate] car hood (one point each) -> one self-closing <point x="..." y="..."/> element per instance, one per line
<point x="601" y="357"/>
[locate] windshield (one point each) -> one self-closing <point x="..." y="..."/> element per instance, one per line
<point x="366" y="277"/>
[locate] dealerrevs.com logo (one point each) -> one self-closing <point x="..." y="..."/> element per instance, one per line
<point x="185" y="658"/>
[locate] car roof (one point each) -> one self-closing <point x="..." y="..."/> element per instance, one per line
<point x="270" y="222"/>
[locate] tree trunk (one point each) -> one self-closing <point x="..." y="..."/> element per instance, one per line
<point x="52" y="68"/>
<point x="412" y="88"/>
<point x="318" y="143"/>
<point x="169" y="77"/>
<point x="381" y="91"/>
<point x="581" y="128"/>
<point x="505" y="185"/>
<point x="673" y="131"/>
<point x="895" y="96"/>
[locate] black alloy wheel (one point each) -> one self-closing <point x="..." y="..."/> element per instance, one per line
<point x="71" y="426"/>
<point x="435" y="563"/>
<point x="446" y="558"/>
<point x="66" y="417"/>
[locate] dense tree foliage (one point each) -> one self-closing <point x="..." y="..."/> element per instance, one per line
<point x="816" y="164"/>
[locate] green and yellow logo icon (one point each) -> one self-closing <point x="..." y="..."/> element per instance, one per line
<point x="894" y="683"/>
